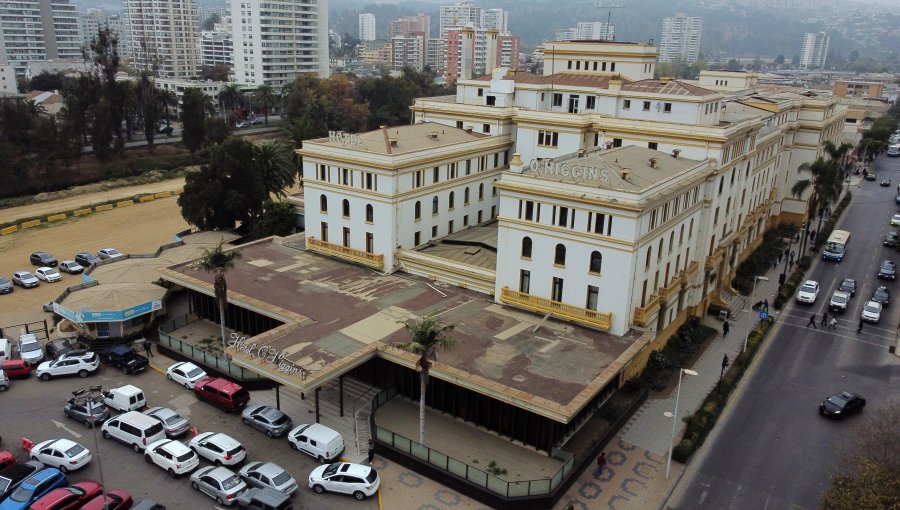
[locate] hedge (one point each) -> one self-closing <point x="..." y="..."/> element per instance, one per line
<point x="759" y="261"/>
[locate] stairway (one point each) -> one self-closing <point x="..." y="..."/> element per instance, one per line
<point x="737" y="304"/>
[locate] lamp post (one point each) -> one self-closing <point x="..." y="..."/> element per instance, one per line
<point x="94" y="391"/>
<point x="674" y="415"/>
<point x="752" y="297"/>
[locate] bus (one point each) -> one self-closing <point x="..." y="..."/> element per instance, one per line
<point x="836" y="246"/>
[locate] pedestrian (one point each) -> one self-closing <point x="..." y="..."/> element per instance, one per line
<point x="766" y="304"/>
<point x="812" y="236"/>
<point x="371" y="450"/>
<point x="601" y="464"/>
<point x="859" y="328"/>
<point x="812" y="322"/>
<point x="775" y="264"/>
<point x="832" y="323"/>
<point x="792" y="256"/>
<point x="569" y="506"/>
<point x="779" y="257"/>
<point x="824" y="319"/>
<point x="725" y="328"/>
<point x="147" y="348"/>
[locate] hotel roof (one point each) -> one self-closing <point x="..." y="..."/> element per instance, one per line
<point x="408" y="139"/>
<point x="668" y="87"/>
<point x="337" y="316"/>
<point x="568" y="79"/>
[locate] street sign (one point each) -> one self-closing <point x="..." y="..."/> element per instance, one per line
<point x="763" y="316"/>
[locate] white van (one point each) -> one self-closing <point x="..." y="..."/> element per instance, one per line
<point x="893" y="150"/>
<point x="318" y="441"/>
<point x="125" y="398"/>
<point x="5" y="350"/>
<point x="135" y="429"/>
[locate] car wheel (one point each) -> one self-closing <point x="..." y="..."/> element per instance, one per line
<point x="82" y="373"/>
<point x="147" y="458"/>
<point x="3" y="388"/>
<point x="45" y="376"/>
<point x="88" y="424"/>
<point x="359" y="495"/>
<point x="169" y="376"/>
<point x="293" y="446"/>
<point x="187" y="386"/>
<point x="194" y="485"/>
<point x="218" y="463"/>
<point x="105" y="434"/>
<point x="172" y="473"/>
<point x="246" y="421"/>
<point x="269" y="433"/>
<point x="319" y="489"/>
<point x="136" y="448"/>
<point x="219" y="500"/>
<point x="63" y="469"/>
<point x="321" y="459"/>
<point x="34" y="458"/>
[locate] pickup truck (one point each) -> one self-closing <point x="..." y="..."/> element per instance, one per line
<point x="125" y="358"/>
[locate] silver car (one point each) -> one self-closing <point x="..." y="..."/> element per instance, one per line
<point x="173" y="423"/>
<point x="5" y="286"/>
<point x="267" y="474"/>
<point x="218" y="483"/>
<point x="267" y="419"/>
<point x="79" y="410"/>
<point x="25" y="279"/>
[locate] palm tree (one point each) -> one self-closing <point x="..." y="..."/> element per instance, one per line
<point x="169" y="99"/>
<point x="34" y="109"/>
<point x="230" y="95"/>
<point x="825" y="183"/>
<point x="218" y="261"/>
<point x="426" y="338"/>
<point x="297" y="131"/>
<point x="265" y="97"/>
<point x="273" y="161"/>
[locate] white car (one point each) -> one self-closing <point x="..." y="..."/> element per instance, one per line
<point x="895" y="220"/>
<point x="48" y="274"/>
<point x="356" y="479"/>
<point x="174" y="457"/>
<point x="808" y="292"/>
<point x="63" y="454"/>
<point x="30" y="349"/>
<point x="70" y="266"/>
<point x="218" y="483"/>
<point x="80" y="363"/>
<point x="25" y="279"/>
<point x="110" y="254"/>
<point x="220" y="449"/>
<point x="872" y="311"/>
<point x="185" y="373"/>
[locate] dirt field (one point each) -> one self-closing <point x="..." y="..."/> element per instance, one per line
<point x="136" y="229"/>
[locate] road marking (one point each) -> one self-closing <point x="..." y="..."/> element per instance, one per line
<point x="67" y="429"/>
<point x="846" y="337"/>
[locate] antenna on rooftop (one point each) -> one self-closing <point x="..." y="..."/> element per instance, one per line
<point x="608" y="5"/>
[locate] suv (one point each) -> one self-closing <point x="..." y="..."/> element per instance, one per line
<point x="881" y="295"/>
<point x="808" y="292"/>
<point x="11" y="477"/>
<point x="42" y="258"/>
<point x="57" y="348"/>
<point x="85" y="259"/>
<point x="357" y="479"/>
<point x="839" y="301"/>
<point x="81" y="363"/>
<point x="125" y="358"/>
<point x="222" y="392"/>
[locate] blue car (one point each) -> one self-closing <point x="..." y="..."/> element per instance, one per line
<point x="33" y="488"/>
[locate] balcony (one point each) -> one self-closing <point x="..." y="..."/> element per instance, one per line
<point x="667" y="294"/>
<point x="342" y="252"/>
<point x="691" y="270"/>
<point x="583" y="316"/>
<point x="643" y="315"/>
<point x="713" y="260"/>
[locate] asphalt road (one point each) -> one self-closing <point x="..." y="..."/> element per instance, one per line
<point x="33" y="409"/>
<point x="772" y="449"/>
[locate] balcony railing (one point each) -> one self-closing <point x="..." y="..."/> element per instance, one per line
<point x="343" y="252"/>
<point x="715" y="258"/>
<point x="669" y="293"/>
<point x="691" y="270"/>
<point x="643" y="315"/>
<point x="584" y="316"/>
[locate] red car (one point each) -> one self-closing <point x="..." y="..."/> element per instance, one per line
<point x="16" y="368"/>
<point x="68" y="498"/>
<point x="222" y="392"/>
<point x="115" y="500"/>
<point x="6" y="460"/>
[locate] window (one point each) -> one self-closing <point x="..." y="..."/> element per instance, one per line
<point x="345" y="208"/>
<point x="466" y="196"/>
<point x="452" y="200"/>
<point x="370" y="242"/>
<point x="646" y="106"/>
<point x="612" y="67"/>
<point x="667" y="107"/>
<point x="496" y="159"/>
<point x="466" y="220"/>
<point x="617" y="142"/>
<point x="681" y="236"/>
<point x="596" y="262"/>
<point x="557" y="291"/>
<point x="526" y="247"/>
<point x="524" y="281"/>
<point x="434" y="205"/>
<point x="494" y="188"/>
<point x="417" y="238"/>
<point x="479" y="216"/>
<point x="346" y="237"/>
<point x="449" y="227"/>
<point x="626" y="104"/>
<point x="592" y="100"/>
<point x="324" y="232"/>
<point x="480" y="92"/>
<point x="481" y="191"/>
<point x="652" y="145"/>
<point x="557" y="99"/>
<point x="559" y="257"/>
<point x="491" y="101"/>
<point x="323" y="204"/>
<point x="486" y="128"/>
<point x="548" y="138"/>
<point x="370" y="213"/>
<point x="459" y="124"/>
<point x="435" y="175"/>
<point x="649" y="256"/>
<point x="468" y="166"/>
<point x="417" y="179"/>
<point x="529" y="210"/>
<point x="434" y="231"/>
<point x="370" y="181"/>
<point x="418" y="210"/>
<point x="592" y="294"/>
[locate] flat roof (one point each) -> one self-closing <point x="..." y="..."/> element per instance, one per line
<point x="474" y="246"/>
<point x="409" y="139"/>
<point x="338" y="316"/>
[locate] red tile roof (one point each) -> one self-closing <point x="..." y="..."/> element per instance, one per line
<point x="670" y="87"/>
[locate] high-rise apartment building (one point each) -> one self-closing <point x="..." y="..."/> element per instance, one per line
<point x="495" y="18"/>
<point x="680" y="38"/>
<point x="408" y="51"/>
<point x="459" y="15"/>
<point x="93" y="20"/>
<point x="38" y="30"/>
<point x="588" y="31"/>
<point x="475" y="52"/>
<point x="162" y="36"/>
<point x="815" y="50"/>
<point x="420" y="23"/>
<point x="276" y="40"/>
<point x="367" y="27"/>
<point x="216" y="46"/>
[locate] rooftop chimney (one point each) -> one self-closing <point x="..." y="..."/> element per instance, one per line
<point x="652" y="162"/>
<point x="515" y="164"/>
<point x="434" y="135"/>
<point x="490" y="57"/>
<point x="625" y="173"/>
<point x="467" y="59"/>
<point x="393" y="142"/>
<point x="469" y="129"/>
<point x="675" y="153"/>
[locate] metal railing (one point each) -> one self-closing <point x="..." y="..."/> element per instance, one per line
<point x="210" y="360"/>
<point x="375" y="260"/>
<point x="460" y="469"/>
<point x="591" y="318"/>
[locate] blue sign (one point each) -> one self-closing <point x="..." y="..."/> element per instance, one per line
<point x="83" y="315"/>
<point x="763" y="315"/>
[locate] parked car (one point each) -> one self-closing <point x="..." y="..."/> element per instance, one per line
<point x="133" y="429"/>
<point x="63" y="454"/>
<point x="110" y="254"/>
<point x="842" y="404"/>
<point x="218" y="483"/>
<point x="90" y="413"/>
<point x="185" y="373"/>
<point x="47" y="274"/>
<point x="165" y="130"/>
<point x="172" y="456"/>
<point x="241" y="124"/>
<point x="124" y="357"/>
<point x="25" y="279"/>
<point x="4" y="381"/>
<point x="173" y="423"/>
<point x="81" y="363"/>
<point x="808" y="292"/>
<point x="42" y="258"/>
<point x="222" y="392"/>
<point x="66" y="498"/>
<point x="870" y="176"/>
<point x="255" y="122"/>
<point x="220" y="449"/>
<point x="885" y="182"/>
<point x="838" y="302"/>
<point x="12" y="476"/>
<point x="882" y="295"/>
<point x="6" y="460"/>
<point x="33" y="487"/>
<point x="5" y="286"/>
<point x="56" y="348"/>
<point x="112" y="500"/>
<point x="125" y="398"/>
<point x="356" y="479"/>
<point x="267" y="419"/>
<point x="30" y="349"/>
<point x="256" y="498"/>
<point x="891" y="239"/>
<point x="871" y="312"/>
<point x="267" y="474"/>
<point x="887" y="270"/>
<point x="71" y="267"/>
<point x="85" y="259"/>
<point x="16" y="368"/>
<point x="895" y="220"/>
<point x="317" y="440"/>
<point x="848" y="285"/>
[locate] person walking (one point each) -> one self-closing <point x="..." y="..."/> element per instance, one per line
<point x="371" y="450"/>
<point x="832" y="323"/>
<point x="147" y="348"/>
<point x="812" y="322"/>
<point x="725" y="329"/>
<point x="601" y="464"/>
<point x="766" y="305"/>
<point x="859" y="328"/>
<point x="824" y="319"/>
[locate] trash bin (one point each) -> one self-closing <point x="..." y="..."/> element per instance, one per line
<point x="723" y="315"/>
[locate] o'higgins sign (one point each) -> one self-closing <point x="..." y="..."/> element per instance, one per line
<point x="266" y="354"/>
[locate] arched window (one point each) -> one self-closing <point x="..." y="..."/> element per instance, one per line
<point x="452" y="200"/>
<point x="526" y="247"/>
<point x="466" y="196"/>
<point x="418" y="212"/>
<point x="494" y="187"/>
<point x="434" y="205"/>
<point x="345" y="208"/>
<point x="481" y="191"/>
<point x="681" y="236"/>
<point x="596" y="262"/>
<point x="559" y="257"/>
<point x="370" y="213"/>
<point x="659" y="250"/>
<point x="671" y="241"/>
<point x="649" y="256"/>
<point x="323" y="203"/>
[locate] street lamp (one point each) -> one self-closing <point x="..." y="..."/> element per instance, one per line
<point x="801" y="231"/>
<point x="752" y="297"/>
<point x="93" y="392"/>
<point x="674" y="416"/>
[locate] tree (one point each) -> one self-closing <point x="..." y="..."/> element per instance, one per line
<point x="779" y="60"/>
<point x="297" y="131"/>
<point x="218" y="261"/>
<point x="426" y="338"/>
<point x="826" y="180"/>
<point x="193" y="118"/>
<point x="277" y="219"/>
<point x="230" y="95"/>
<point x="47" y="82"/>
<point x="104" y="54"/>
<point x="217" y="130"/>
<point x="149" y="104"/>
<point x="168" y="99"/>
<point x="265" y="96"/>
<point x="272" y="161"/>
<point x="209" y="23"/>
<point x="734" y="65"/>
<point x="101" y="118"/>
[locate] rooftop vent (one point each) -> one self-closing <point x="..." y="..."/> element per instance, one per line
<point x="393" y="142"/>
<point x="582" y="153"/>
<point x="469" y="129"/>
<point x="433" y="135"/>
<point x="625" y="173"/>
<point x="652" y="162"/>
<point x="675" y="153"/>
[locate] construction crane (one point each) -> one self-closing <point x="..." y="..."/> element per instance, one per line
<point x="608" y="6"/>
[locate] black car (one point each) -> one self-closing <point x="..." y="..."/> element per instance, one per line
<point x="891" y="239"/>
<point x="85" y="259"/>
<point x="43" y="259"/>
<point x="888" y="270"/>
<point x="57" y="348"/>
<point x="125" y="358"/>
<point x="842" y="404"/>
<point x="881" y="295"/>
<point x="849" y="286"/>
<point x="14" y="475"/>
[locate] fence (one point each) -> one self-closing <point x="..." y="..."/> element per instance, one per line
<point x="197" y="354"/>
<point x="461" y="470"/>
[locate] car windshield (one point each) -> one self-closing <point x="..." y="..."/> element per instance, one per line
<point x="872" y="308"/>
<point x="331" y="469"/>
<point x="26" y="276"/>
<point x="196" y="372"/>
<point x="175" y="418"/>
<point x="4" y="484"/>
<point x="280" y="421"/>
<point x="97" y="410"/>
<point x="31" y="347"/>
<point x="231" y="482"/>
<point x="281" y="478"/>
<point x="185" y="457"/>
<point x="3" y="281"/>
<point x="837" y="400"/>
<point x="74" y="450"/>
<point x="23" y="494"/>
<point x="807" y="288"/>
<point x="112" y="252"/>
<point x="839" y="299"/>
